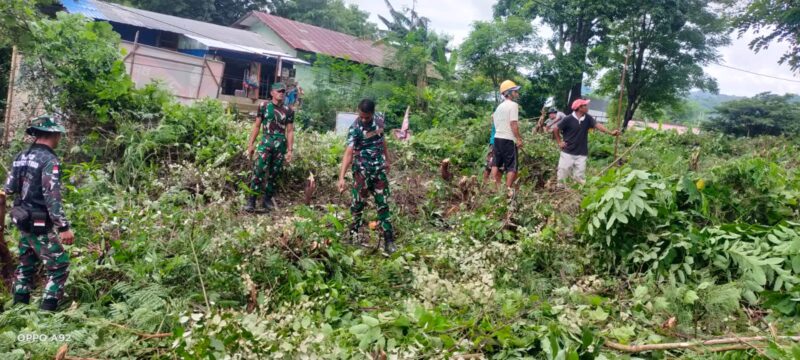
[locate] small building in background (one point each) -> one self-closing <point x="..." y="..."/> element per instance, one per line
<point x="306" y="41"/>
<point x="194" y="59"/>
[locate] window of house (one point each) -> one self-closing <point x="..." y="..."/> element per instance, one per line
<point x="168" y="40"/>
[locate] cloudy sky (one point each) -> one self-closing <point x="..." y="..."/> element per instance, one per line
<point x="454" y="17"/>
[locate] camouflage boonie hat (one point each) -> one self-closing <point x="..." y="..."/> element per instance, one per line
<point x="278" y="86"/>
<point x="45" y="123"/>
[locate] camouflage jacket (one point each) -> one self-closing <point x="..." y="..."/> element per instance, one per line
<point x="367" y="141"/>
<point x="274" y="119"/>
<point x="35" y="179"/>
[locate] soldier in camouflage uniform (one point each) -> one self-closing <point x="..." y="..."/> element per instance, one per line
<point x="276" y="121"/>
<point x="35" y="182"/>
<point x="366" y="151"/>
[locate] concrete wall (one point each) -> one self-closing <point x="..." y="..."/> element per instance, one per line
<point x="272" y="37"/>
<point x="21" y="106"/>
<point x="187" y="77"/>
<point x="305" y="76"/>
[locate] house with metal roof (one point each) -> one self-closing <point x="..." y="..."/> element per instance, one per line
<point x="194" y="59"/>
<point x="306" y="41"/>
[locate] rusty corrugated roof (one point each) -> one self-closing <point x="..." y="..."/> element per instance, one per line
<point x="319" y="40"/>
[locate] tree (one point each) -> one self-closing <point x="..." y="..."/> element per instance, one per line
<point x="774" y="20"/>
<point x="763" y="114"/>
<point x="416" y="49"/>
<point x="670" y="41"/>
<point x="74" y="66"/>
<point x="499" y="49"/>
<point x="15" y="17"/>
<point x="579" y="37"/>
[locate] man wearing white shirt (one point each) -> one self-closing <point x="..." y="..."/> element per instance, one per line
<point x="507" y="137"/>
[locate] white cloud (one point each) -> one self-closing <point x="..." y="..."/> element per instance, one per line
<point x="455" y="18"/>
<point x="740" y="83"/>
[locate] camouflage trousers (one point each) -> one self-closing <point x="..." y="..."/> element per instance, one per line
<point x="269" y="163"/>
<point x="47" y="249"/>
<point x="377" y="184"/>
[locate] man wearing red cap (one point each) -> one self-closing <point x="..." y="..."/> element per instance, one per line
<point x="572" y="135"/>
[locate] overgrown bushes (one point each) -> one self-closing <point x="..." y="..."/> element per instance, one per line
<point x="735" y="229"/>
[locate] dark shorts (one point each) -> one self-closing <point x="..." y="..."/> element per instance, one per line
<point x="490" y="159"/>
<point x="505" y="155"/>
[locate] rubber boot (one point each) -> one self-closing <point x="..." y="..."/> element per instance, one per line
<point x="251" y="205"/>
<point x="22" y="299"/>
<point x="49" y="304"/>
<point x="267" y="204"/>
<point x="388" y="243"/>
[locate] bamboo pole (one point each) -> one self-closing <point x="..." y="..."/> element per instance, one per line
<point x="619" y="105"/>
<point x="742" y="343"/>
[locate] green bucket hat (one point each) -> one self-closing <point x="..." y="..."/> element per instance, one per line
<point x="45" y="123"/>
<point x="278" y="86"/>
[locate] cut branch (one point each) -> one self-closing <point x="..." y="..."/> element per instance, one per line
<point x="743" y="343"/>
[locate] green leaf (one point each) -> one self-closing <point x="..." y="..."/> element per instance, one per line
<point x="690" y="297"/>
<point x="624" y="333"/>
<point x="369" y="320"/>
<point x="750" y="296"/>
<point x="640" y="292"/>
<point x="598" y="314"/>
<point x="773" y="261"/>
<point x="359" y="329"/>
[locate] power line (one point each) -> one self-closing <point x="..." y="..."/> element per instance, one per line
<point x="758" y="74"/>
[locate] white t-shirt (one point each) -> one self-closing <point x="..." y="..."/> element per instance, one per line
<point x="506" y="112"/>
<point x="550" y="123"/>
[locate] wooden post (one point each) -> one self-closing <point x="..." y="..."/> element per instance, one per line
<point x="258" y="81"/>
<point x="278" y="68"/>
<point x="619" y="105"/>
<point x="12" y="76"/>
<point x="133" y="53"/>
<point x="200" y="83"/>
<point x="219" y="83"/>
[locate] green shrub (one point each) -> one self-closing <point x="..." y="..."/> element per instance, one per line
<point x="751" y="190"/>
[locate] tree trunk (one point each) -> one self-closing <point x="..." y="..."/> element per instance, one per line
<point x="574" y="94"/>
<point x="630" y="107"/>
<point x="635" y="87"/>
<point x="579" y="47"/>
<point x="628" y="116"/>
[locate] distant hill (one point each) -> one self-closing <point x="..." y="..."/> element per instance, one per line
<point x="708" y="101"/>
